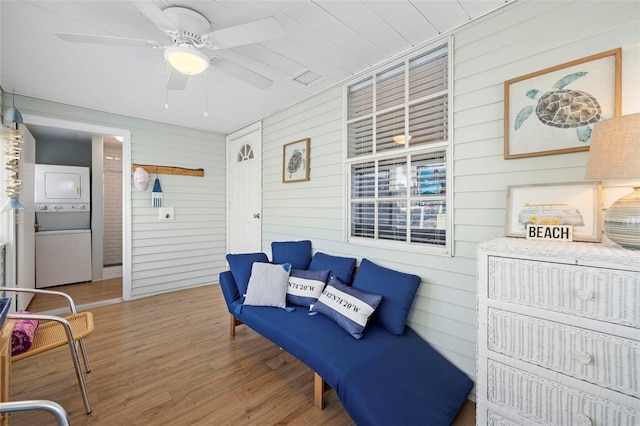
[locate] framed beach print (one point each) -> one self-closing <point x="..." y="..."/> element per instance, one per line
<point x="295" y="161"/>
<point x="552" y="111"/>
<point x="575" y="203"/>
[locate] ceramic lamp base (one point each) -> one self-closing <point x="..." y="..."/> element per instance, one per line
<point x="622" y="221"/>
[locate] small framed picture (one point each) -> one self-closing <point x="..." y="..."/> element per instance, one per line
<point x="432" y="179"/>
<point x="574" y="203"/>
<point x="552" y="111"/>
<point x="295" y="161"/>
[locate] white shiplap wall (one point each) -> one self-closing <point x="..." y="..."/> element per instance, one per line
<point x="522" y="37"/>
<point x="168" y="255"/>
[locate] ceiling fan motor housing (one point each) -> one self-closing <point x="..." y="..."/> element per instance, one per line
<point x="191" y="26"/>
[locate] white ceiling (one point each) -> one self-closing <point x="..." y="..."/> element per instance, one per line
<point x="335" y="39"/>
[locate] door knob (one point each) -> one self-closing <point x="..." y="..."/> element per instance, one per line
<point x="256" y="216"/>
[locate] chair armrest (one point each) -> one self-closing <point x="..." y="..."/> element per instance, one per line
<point x="70" y="303"/>
<point x="40" y="404"/>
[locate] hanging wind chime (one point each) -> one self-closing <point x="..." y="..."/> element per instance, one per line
<point x="13" y="142"/>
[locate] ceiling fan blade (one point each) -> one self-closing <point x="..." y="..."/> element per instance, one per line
<point x="252" y="32"/>
<point x="155" y="15"/>
<point x="242" y="73"/>
<point x="177" y="80"/>
<point x="98" y="39"/>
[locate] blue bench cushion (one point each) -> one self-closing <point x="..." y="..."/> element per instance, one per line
<point x="340" y="267"/>
<point x="381" y="379"/>
<point x="297" y="253"/>
<point x="397" y="289"/>
<point x="240" y="265"/>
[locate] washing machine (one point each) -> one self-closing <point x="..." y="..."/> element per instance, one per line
<point x="63" y="257"/>
<point x="63" y="222"/>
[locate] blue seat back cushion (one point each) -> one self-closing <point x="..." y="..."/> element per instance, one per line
<point x="397" y="289"/>
<point x="240" y="265"/>
<point x="297" y="253"/>
<point x="340" y="267"/>
<point x="348" y="307"/>
<point x="305" y="287"/>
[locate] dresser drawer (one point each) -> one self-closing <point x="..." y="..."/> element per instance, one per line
<point x="550" y="403"/>
<point x="599" y="358"/>
<point x="494" y="419"/>
<point x="608" y="295"/>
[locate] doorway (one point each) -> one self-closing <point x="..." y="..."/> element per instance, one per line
<point x="124" y="138"/>
<point x="244" y="190"/>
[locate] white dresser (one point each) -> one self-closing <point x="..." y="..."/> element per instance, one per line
<point x="558" y="334"/>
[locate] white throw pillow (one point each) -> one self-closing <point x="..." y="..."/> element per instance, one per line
<point x="268" y="285"/>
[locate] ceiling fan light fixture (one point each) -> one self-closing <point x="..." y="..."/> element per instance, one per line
<point x="186" y="59"/>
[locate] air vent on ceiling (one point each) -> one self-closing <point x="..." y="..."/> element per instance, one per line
<point x="306" y="77"/>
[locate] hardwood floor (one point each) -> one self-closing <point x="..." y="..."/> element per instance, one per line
<point x="169" y="359"/>
<point x="82" y="293"/>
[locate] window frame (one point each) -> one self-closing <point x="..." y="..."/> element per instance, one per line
<point x="407" y="151"/>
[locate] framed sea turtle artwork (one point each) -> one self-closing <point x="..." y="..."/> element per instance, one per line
<point x="295" y="161"/>
<point x="552" y="111"/>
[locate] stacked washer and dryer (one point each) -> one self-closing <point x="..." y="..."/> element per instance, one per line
<point x="63" y="225"/>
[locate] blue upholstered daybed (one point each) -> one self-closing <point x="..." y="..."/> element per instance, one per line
<point x="389" y="376"/>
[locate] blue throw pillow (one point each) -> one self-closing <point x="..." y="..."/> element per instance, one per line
<point x="297" y="253"/>
<point x="398" y="290"/>
<point x="240" y="265"/>
<point x="305" y="286"/>
<point x="340" y="267"/>
<point x="348" y="307"/>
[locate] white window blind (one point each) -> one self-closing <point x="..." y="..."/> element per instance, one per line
<point x="397" y="143"/>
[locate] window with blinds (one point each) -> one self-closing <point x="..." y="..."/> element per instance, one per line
<point x="397" y="152"/>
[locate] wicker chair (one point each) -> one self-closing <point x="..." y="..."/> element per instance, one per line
<point x="56" y="331"/>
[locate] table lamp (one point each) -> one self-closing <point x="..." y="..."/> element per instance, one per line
<point x="615" y="154"/>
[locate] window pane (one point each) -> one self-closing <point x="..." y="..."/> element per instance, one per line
<point x="360" y="138"/>
<point x="363" y="220"/>
<point x="392" y="221"/>
<point x="428" y="74"/>
<point x="428" y="121"/>
<point x="362" y="182"/>
<point x="429" y="222"/>
<point x="429" y="174"/>
<point x="360" y="99"/>
<point x="389" y="125"/>
<point x="390" y="88"/>
<point x="396" y="180"/>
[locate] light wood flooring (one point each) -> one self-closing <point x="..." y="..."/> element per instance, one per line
<point x="169" y="360"/>
<point x="82" y="293"/>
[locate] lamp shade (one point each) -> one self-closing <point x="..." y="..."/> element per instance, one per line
<point x="615" y="149"/>
<point x="186" y="59"/>
<point x="615" y="154"/>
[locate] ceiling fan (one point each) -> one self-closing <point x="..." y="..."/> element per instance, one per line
<point x="190" y="33"/>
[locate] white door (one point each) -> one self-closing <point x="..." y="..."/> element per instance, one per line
<point x="25" y="237"/>
<point x="244" y="190"/>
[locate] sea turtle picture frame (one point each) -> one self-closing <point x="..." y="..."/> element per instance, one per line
<point x="295" y="161"/>
<point x="552" y="111"/>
